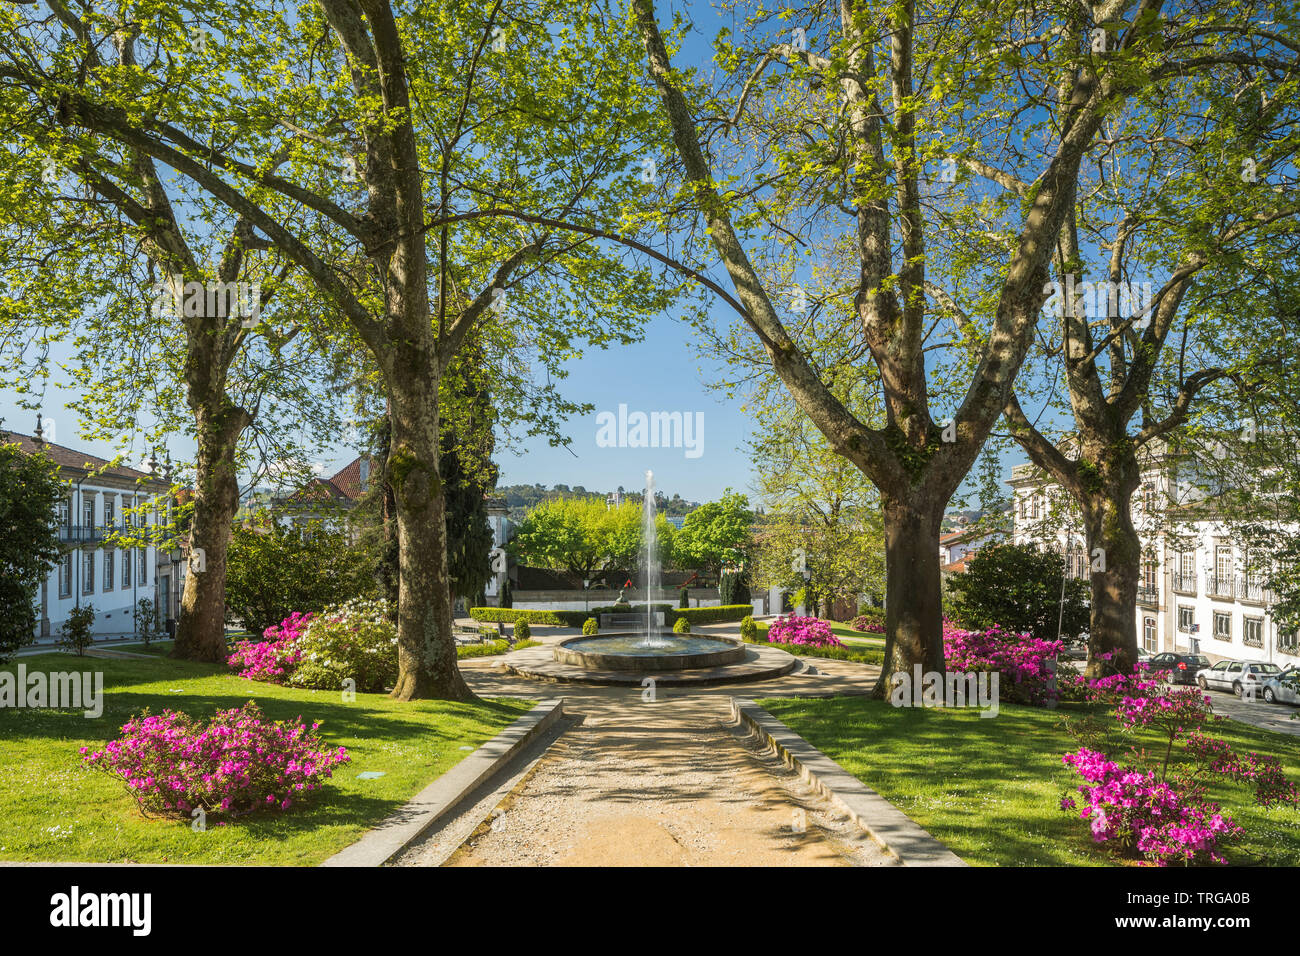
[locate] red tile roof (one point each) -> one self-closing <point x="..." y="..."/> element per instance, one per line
<point x="66" y="457"/>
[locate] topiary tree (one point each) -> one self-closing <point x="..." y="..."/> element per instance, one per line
<point x="733" y="588"/>
<point x="507" y="597"/>
<point x="1019" y="586"/>
<point x="30" y="490"/>
<point x="589" y="626"/>
<point x="76" y="633"/>
<point x="682" y="626"/>
<point x="146" y="621"/>
<point x="748" y="628"/>
<point x="523" y="631"/>
<point x="684" y="598"/>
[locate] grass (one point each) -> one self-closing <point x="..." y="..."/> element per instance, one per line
<point x="990" y="788"/>
<point x="51" y="809"/>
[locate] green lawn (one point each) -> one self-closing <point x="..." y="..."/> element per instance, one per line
<point x="52" y="809"/>
<point x="990" y="788"/>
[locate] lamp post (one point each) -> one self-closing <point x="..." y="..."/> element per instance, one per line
<point x="586" y="583"/>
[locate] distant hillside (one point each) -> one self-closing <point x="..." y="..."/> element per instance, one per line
<point x="521" y="498"/>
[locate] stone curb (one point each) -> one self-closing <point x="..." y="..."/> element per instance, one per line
<point x="394" y="834"/>
<point x="890" y="827"/>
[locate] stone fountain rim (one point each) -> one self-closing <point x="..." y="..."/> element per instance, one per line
<point x="732" y="653"/>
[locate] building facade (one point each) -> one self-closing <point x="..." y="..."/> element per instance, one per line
<point x="93" y="568"/>
<point x="1198" y="591"/>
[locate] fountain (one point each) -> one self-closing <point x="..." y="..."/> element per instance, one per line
<point x="653" y="649"/>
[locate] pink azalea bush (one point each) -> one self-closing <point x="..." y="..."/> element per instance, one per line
<point x="1022" y="662"/>
<point x="1159" y="809"/>
<point x="807" y="631"/>
<point x="232" y="764"/>
<point x="868" y="625"/>
<point x="276" y="656"/>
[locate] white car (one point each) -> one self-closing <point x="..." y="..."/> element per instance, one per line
<point x="1283" y="687"/>
<point x="1236" y="676"/>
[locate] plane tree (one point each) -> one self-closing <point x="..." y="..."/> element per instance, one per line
<point x="369" y="144"/>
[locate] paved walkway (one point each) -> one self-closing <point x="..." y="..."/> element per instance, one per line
<point x="1281" y="718"/>
<point x="664" y="783"/>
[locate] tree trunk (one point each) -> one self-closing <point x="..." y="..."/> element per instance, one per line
<point x="913" y="597"/>
<point x="426" y="649"/>
<point x="1115" y="552"/>
<point x="201" y="624"/>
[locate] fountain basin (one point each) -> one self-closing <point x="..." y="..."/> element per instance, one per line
<point x="630" y="652"/>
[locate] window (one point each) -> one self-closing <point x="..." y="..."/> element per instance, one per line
<point x="1149" y="633"/>
<point x="1149" y="575"/>
<point x="88" y="572"/>
<point x="165" y="597"/>
<point x="1222" y="626"/>
<point x="110" y="512"/>
<point x="88" y="511"/>
<point x="1287" y="643"/>
<point x="1186" y="619"/>
<point x="1185" y="573"/>
<point x="1223" y="564"/>
<point x="65" y="575"/>
<point x="126" y="569"/>
<point x="110" y="565"/>
<point x="144" y="566"/>
<point x="64" y="510"/>
<point x="1252" y="632"/>
<point x="1033" y="507"/>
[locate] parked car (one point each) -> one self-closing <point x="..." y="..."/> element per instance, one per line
<point x="1283" y="687"/>
<point x="1235" y="675"/>
<point x="1182" y="668"/>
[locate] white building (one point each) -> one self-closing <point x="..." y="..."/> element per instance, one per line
<point x="92" y="569"/>
<point x="1198" y="591"/>
<point x="956" y="546"/>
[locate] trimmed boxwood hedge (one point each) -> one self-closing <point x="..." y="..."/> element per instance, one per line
<point x="696" y="615"/>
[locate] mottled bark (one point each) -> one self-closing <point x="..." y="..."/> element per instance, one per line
<point x="913" y="596"/>
<point x="1116" y="554"/>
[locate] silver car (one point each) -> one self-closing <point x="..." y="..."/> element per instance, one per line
<point x="1236" y="675"/>
<point x="1283" y="687"/>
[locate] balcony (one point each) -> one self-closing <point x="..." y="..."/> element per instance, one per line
<point x="1218" y="587"/>
<point x="82" y="534"/>
<point x="1148" y="595"/>
<point x="1251" y="591"/>
<point x="1184" y="583"/>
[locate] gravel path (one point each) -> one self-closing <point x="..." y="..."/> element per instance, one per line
<point x="661" y="783"/>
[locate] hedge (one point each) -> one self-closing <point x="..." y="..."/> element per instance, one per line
<point x="696" y="615"/>
<point x="712" y="615"/>
<point x="868" y="655"/>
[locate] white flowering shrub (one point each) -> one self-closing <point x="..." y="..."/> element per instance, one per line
<point x="353" y="641"/>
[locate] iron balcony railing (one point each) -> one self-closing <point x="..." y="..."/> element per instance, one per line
<point x="1216" y="586"/>
<point x="1185" y="583"/>
<point x="1148" y="595"/>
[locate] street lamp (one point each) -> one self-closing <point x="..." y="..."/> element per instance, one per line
<point x="586" y="583"/>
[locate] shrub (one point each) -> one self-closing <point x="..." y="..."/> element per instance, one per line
<point x="489" y="649"/>
<point x="681" y="626"/>
<point x="353" y="641"/>
<point x="276" y="656"/>
<point x="507" y="594"/>
<point x="869" y="621"/>
<point x="276" y="571"/>
<point x="805" y="631"/>
<point x="712" y="615"/>
<point x="748" y="628"/>
<point x="1022" y="662"/>
<point x="506" y="615"/>
<point x="589" y="626"/>
<point x="522" y="631"/>
<point x="1154" y="807"/>
<point x="147" y="624"/>
<point x="75" y="633"/>
<point x="733" y="588"/>
<point x="684" y="598"/>
<point x="234" y="764"/>
<point x="1019" y="588"/>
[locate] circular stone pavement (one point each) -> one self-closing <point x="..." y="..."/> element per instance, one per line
<point x="760" y="663"/>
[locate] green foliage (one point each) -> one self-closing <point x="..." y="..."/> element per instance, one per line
<point x="506" y="615"/>
<point x="714" y="534"/>
<point x="522" y="631"/>
<point x="590" y="627"/>
<point x="733" y="587"/>
<point x="712" y="615"/>
<point x="586" y="539"/>
<point x="748" y="628"/>
<point x="274" y="571"/>
<point x="684" y="598"/>
<point x="30" y="490"/>
<point x="75" y="633"/>
<point x="147" y="626"/>
<point x="507" y="597"/>
<point x="1019" y="587"/>
<point x="681" y="626"/>
<point x="354" y="641"/>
